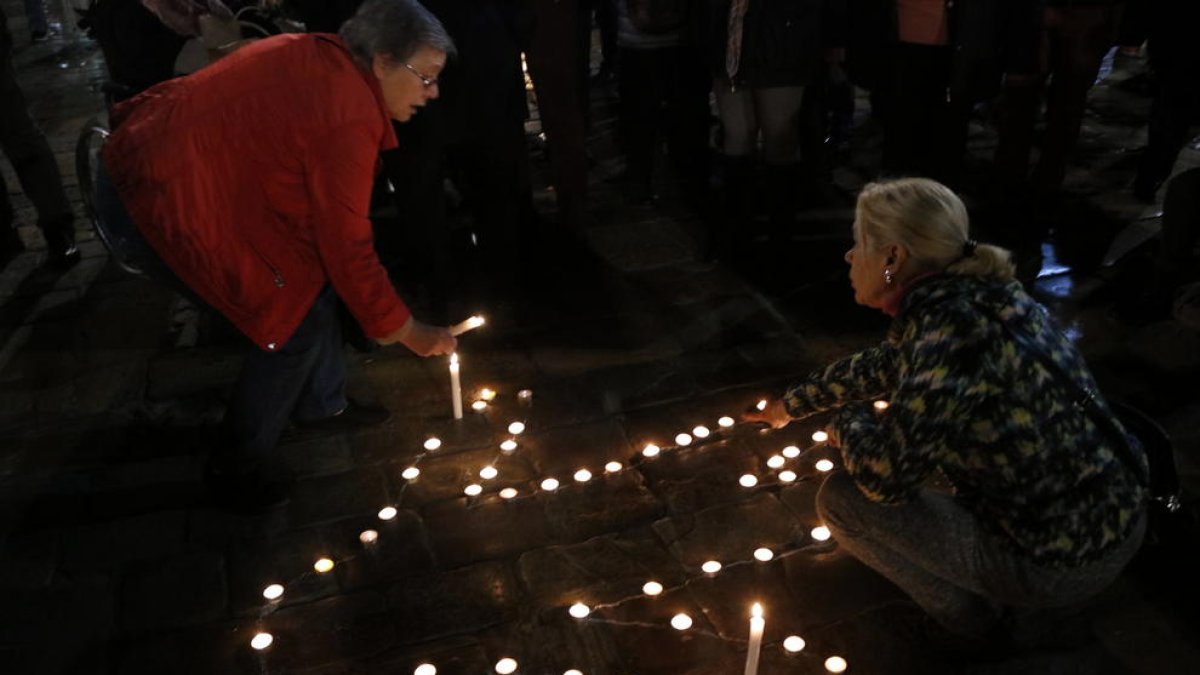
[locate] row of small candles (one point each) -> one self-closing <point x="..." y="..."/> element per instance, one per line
<point x="369" y="537"/>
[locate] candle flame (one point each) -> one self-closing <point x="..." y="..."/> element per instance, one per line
<point x="756" y="611"/>
<point x="454" y="359"/>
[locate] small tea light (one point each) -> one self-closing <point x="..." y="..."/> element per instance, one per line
<point x="323" y="565"/>
<point x="473" y="490"/>
<point x="525" y="396"/>
<point x="479" y="406"/>
<point x="701" y="431"/>
<point x="880" y="405"/>
<point x="487" y="394"/>
<point x="761" y="405"/>
<point x="410" y="473"/>
<point x="681" y="622"/>
<point x="508" y="493"/>
<point x="763" y="554"/>
<point x="725" y="422"/>
<point x="583" y="476"/>
<point x="261" y="641"/>
<point x="748" y="480"/>
<point x="823" y="465"/>
<point x="820" y="533"/>
<point x="273" y="592"/>
<point x="612" y="467"/>
<point x="775" y="461"/>
<point x="572" y="672"/>
<point x="820" y="436"/>
<point x="516" y="428"/>
<point x="368" y="537"/>
<point x="791" y="452"/>
<point x="433" y="443"/>
<point x="651" y="450"/>
<point x="508" y="446"/>
<point x="711" y="567"/>
<point x="683" y="439"/>
<point x="506" y="666"/>
<point x="787" y="476"/>
<point x="550" y="484"/>
<point x="488" y="472"/>
<point x="579" y="610"/>
<point x="793" y="644"/>
<point x="652" y="588"/>
<point x="425" y="669"/>
<point x="835" y="664"/>
<point x="387" y="513"/>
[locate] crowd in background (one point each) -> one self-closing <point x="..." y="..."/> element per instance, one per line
<point x="742" y="94"/>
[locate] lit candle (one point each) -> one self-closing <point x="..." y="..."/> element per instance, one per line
<point x="410" y="473"/>
<point x="273" y="592"/>
<point x="762" y="405"/>
<point x="579" y="610"/>
<point x="550" y="484"/>
<point x="525" y="397"/>
<point x="516" y="428"/>
<point x="701" y="431"/>
<point x="681" y="622"/>
<point x="487" y="394"/>
<point x="763" y="554"/>
<point x="508" y="446"/>
<point x="835" y="664"/>
<point x="787" y="476"/>
<point x="757" y="624"/>
<point x="821" y="533"/>
<point x="479" y="406"/>
<point x="819" y="436"/>
<point x="775" y="461"/>
<point x="650" y="450"/>
<point x="488" y="472"/>
<point x="433" y="443"/>
<point x="749" y="480"/>
<point x="791" y="452"/>
<point x="425" y="669"/>
<point x="725" y="422"/>
<point x="387" y="513"/>
<point x="506" y="666"/>
<point x="824" y="465"/>
<point x="711" y="567"/>
<point x="323" y="565"/>
<point x="881" y="405"/>
<point x="652" y="588"/>
<point x="368" y="537"/>
<point x="473" y="490"/>
<point x="683" y="439"/>
<point x="508" y="493"/>
<point x="455" y="387"/>
<point x="583" y="475"/>
<point x="612" y="467"/>
<point x="261" y="641"/>
<point x="470" y="324"/>
<point x="793" y="644"/>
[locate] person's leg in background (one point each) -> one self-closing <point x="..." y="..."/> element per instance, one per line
<point x="1082" y="37"/>
<point x="1180" y="231"/>
<point x="686" y="85"/>
<point x="1176" y="105"/>
<point x="641" y="94"/>
<point x="779" y="114"/>
<point x="733" y="224"/>
<point x="26" y="147"/>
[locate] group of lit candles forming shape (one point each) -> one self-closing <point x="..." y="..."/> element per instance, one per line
<point x="682" y="622"/>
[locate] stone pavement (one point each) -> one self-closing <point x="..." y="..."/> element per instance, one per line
<point x="113" y="561"/>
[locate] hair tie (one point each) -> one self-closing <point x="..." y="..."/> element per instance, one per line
<point x="969" y="248"/>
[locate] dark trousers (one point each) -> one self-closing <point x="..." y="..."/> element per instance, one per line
<point x="1175" y="109"/>
<point x="1074" y="42"/>
<point x="664" y="93"/>
<point x="1180" y="222"/>
<point x="924" y="130"/>
<point x="26" y="147"/>
<point x="305" y="380"/>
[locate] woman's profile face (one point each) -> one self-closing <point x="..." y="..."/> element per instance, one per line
<point x="409" y="85"/>
<point x="867" y="263"/>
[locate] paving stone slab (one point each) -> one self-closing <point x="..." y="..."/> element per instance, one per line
<point x="401" y="550"/>
<point x="561" y="451"/>
<point x="183" y="590"/>
<point x="98" y="547"/>
<point x="463" y="600"/>
<point x="285" y="559"/>
<point x="458" y="655"/>
<point x="601" y="570"/>
<point x="326" y="498"/>
<point x="465" y="530"/>
<point x="444" y="476"/>
<point x="727" y="598"/>
<point x="730" y="532"/>
<point x="350" y="626"/>
<point x="318" y="458"/>
<point x="638" y="386"/>
<point x="222" y="647"/>
<point x="579" y="511"/>
<point x="648" y="644"/>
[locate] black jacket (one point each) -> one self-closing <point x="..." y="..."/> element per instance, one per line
<point x="989" y="38"/>
<point x="783" y="41"/>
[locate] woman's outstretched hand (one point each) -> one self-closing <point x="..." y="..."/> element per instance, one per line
<point x="774" y="415"/>
<point x="422" y="339"/>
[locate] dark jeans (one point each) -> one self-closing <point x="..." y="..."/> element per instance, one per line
<point x="26" y="147"/>
<point x="1180" y="223"/>
<point x="924" y="132"/>
<point x="1074" y="42"/>
<point x="1176" y="107"/>
<point x="305" y="380"/>
<point x="664" y="92"/>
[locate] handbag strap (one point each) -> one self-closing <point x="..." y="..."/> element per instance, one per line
<point x="1086" y="400"/>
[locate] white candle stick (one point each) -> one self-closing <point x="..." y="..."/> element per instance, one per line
<point x="470" y="324"/>
<point x="455" y="387"/>
<point x="757" y="624"/>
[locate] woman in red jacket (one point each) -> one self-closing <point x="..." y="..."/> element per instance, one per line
<point x="249" y="182"/>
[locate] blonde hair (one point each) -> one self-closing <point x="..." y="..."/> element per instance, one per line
<point x="929" y="220"/>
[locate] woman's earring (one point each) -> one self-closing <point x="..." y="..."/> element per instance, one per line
<point x="888" y="277"/>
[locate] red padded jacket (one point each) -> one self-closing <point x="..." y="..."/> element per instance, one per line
<point x="252" y="180"/>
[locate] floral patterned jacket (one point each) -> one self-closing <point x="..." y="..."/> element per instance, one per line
<point x="967" y="400"/>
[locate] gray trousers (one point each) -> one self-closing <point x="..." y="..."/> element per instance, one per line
<point x="938" y="553"/>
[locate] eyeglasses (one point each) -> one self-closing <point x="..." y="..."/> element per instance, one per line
<point x="426" y="81"/>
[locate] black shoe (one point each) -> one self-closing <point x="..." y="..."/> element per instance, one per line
<point x="61" y="251"/>
<point x="244" y="491"/>
<point x="354" y="417"/>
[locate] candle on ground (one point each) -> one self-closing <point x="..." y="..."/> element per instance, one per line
<point x="757" y="624"/>
<point x="455" y="387"/>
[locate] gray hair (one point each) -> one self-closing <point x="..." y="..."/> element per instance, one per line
<point x="929" y="220"/>
<point x="395" y="29"/>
